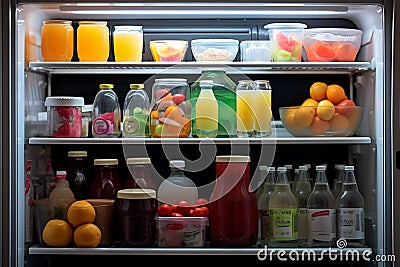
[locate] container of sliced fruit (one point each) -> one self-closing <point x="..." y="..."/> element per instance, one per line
<point x="168" y="50"/>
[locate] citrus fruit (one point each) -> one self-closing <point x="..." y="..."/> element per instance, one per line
<point x="290" y="121"/>
<point x="335" y="93"/>
<point x="309" y="102"/>
<point x="87" y="235"/>
<point x="339" y="122"/>
<point x="319" y="126"/>
<point x="325" y="110"/>
<point x="57" y="233"/>
<point x="318" y="91"/>
<point x="304" y="116"/>
<point x="80" y="212"/>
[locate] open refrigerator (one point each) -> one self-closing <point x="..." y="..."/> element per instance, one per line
<point x="368" y="81"/>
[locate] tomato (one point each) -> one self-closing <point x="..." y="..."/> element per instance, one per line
<point x="175" y="226"/>
<point x="196" y="212"/>
<point x="174" y="208"/>
<point x="184" y="207"/>
<point x="206" y="211"/>
<point x="177" y="214"/>
<point x="178" y="98"/>
<point x="345" y="108"/>
<point x="161" y="93"/>
<point x="201" y="202"/>
<point x="164" y="210"/>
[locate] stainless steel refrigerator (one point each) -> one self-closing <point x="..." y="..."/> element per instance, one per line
<point x="371" y="80"/>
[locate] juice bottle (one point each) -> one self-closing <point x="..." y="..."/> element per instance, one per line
<point x="128" y="43"/>
<point x="93" y="41"/>
<point x="263" y="204"/>
<point x="262" y="108"/>
<point x="206" y="111"/>
<point x="245" y="117"/>
<point x="57" y="40"/>
<point x="61" y="197"/>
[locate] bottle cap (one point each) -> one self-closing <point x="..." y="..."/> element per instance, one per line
<point x="263" y="168"/>
<point x="136" y="193"/>
<point x="232" y="158"/>
<point x="288" y="167"/>
<point x="206" y="82"/>
<point x="136" y="86"/>
<point x="303" y="168"/>
<point x="349" y="168"/>
<point x="307" y="165"/>
<point x="106" y="86"/>
<point x="61" y="174"/>
<point x="77" y="154"/>
<point x="271" y="169"/>
<point x="180" y="164"/>
<point x="296" y="171"/>
<point x="104" y="162"/>
<point x="281" y="169"/>
<point x="320" y="168"/>
<point x="341" y="166"/>
<point x="135" y="161"/>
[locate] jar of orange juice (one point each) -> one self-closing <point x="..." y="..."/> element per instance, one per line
<point x="57" y="40"/>
<point x="93" y="41"/>
<point x="128" y="43"/>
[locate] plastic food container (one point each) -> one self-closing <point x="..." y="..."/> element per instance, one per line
<point x="332" y="44"/>
<point x="257" y="50"/>
<point x="215" y="49"/>
<point x="64" y="116"/>
<point x="168" y="50"/>
<point x="297" y="121"/>
<point x="181" y="231"/>
<point x="286" y="41"/>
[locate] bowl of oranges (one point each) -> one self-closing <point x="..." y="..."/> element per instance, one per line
<point x="327" y="112"/>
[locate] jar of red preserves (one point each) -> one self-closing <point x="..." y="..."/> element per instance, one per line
<point x="106" y="182"/>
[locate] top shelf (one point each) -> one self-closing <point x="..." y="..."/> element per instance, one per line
<point x="197" y="67"/>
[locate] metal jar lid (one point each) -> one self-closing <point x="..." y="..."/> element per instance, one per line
<point x="77" y="154"/>
<point x="136" y="193"/>
<point x="65" y="101"/>
<point x="135" y="161"/>
<point x="233" y="158"/>
<point x="104" y="162"/>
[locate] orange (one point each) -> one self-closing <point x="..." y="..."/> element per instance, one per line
<point x="304" y="116"/>
<point x="335" y="93"/>
<point x="87" y="235"/>
<point x="325" y="110"/>
<point x="57" y="233"/>
<point x="80" y="212"/>
<point x="339" y="122"/>
<point x="290" y="122"/>
<point x="309" y="102"/>
<point x="170" y="110"/>
<point x="319" y="126"/>
<point x="318" y="91"/>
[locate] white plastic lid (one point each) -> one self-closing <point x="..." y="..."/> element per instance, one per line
<point x="281" y="169"/>
<point x="177" y="164"/>
<point x="320" y="168"/>
<point x="296" y="171"/>
<point x="77" y="154"/>
<point x="341" y="167"/>
<point x="307" y="165"/>
<point x="64" y="101"/>
<point x="61" y="174"/>
<point x="136" y="193"/>
<point x="303" y="168"/>
<point x="232" y="158"/>
<point x="285" y="26"/>
<point x="271" y="169"/>
<point x="104" y="162"/>
<point x="349" y="168"/>
<point x="219" y="41"/>
<point x="135" y="161"/>
<point x="263" y="167"/>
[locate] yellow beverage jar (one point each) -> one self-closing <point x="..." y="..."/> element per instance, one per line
<point x="262" y="108"/>
<point x="128" y="43"/>
<point x="93" y="42"/>
<point x="57" y="40"/>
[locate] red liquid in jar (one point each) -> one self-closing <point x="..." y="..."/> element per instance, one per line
<point x="106" y="182"/>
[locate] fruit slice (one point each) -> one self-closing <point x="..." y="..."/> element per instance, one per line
<point x="282" y="56"/>
<point x="345" y="52"/>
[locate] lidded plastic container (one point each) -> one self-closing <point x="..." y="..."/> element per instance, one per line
<point x="136" y="112"/>
<point x="106" y="181"/>
<point x="64" y="116"/>
<point x="106" y="115"/>
<point x="139" y="175"/>
<point x="170" y="109"/>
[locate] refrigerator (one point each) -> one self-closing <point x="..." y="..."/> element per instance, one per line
<point x="370" y="80"/>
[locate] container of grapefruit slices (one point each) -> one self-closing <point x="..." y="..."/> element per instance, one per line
<point x="332" y="44"/>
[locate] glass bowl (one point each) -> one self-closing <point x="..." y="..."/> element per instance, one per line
<point x="168" y="50"/>
<point x="222" y="50"/>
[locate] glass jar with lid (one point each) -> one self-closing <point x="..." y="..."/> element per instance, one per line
<point x="128" y="43"/>
<point x="57" y="40"/>
<point x="93" y="41"/>
<point x="76" y="173"/>
<point x="170" y="109"/>
<point x="106" y="181"/>
<point x="139" y="173"/>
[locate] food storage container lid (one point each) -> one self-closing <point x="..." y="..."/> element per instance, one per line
<point x="177" y="164"/>
<point x="341" y="166"/>
<point x="285" y="26"/>
<point x="136" y="86"/>
<point x="106" y="86"/>
<point x="335" y="31"/>
<point x="303" y="168"/>
<point x="232" y="158"/>
<point x="134" y="161"/>
<point x="64" y="101"/>
<point x="136" y="193"/>
<point x="106" y="162"/>
<point x="77" y="154"/>
<point x="218" y="41"/>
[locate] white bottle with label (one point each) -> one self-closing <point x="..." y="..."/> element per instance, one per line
<point x="321" y="212"/>
<point x="350" y="211"/>
<point x="61" y="197"/>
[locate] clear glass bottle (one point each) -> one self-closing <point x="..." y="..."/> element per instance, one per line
<point x="61" y="197"/>
<point x="139" y="175"/>
<point x="76" y="174"/>
<point x="296" y="178"/>
<point x="177" y="186"/>
<point x="106" y="181"/>
<point x="225" y="92"/>
<point x="206" y="111"/>
<point x="283" y="213"/>
<point x="309" y="174"/>
<point x="262" y="108"/>
<point x="339" y="179"/>
<point x="263" y="204"/>
<point x="245" y="108"/>
<point x="106" y="115"/>
<point x="321" y="212"/>
<point x="302" y="192"/>
<point x="350" y="211"/>
<point x="290" y="174"/>
<point x="136" y="112"/>
<point x="262" y="175"/>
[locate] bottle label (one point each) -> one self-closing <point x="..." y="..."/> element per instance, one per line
<point x="302" y="219"/>
<point x="351" y="223"/>
<point x="264" y="224"/>
<point x="102" y="126"/>
<point x="283" y="224"/>
<point x="322" y="224"/>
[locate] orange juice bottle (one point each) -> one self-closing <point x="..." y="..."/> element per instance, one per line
<point x="57" y="40"/>
<point x="93" y="41"/>
<point x="128" y="43"/>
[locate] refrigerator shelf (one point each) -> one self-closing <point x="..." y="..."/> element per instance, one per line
<point x="197" y="67"/>
<point x="320" y="252"/>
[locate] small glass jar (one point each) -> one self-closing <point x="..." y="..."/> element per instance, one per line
<point x="93" y="41"/>
<point x="171" y="110"/>
<point x="76" y="173"/>
<point x="128" y="43"/>
<point x="87" y="121"/>
<point x="57" y="40"/>
<point x="106" y="181"/>
<point x="139" y="173"/>
<point x="136" y="210"/>
<point x="64" y="116"/>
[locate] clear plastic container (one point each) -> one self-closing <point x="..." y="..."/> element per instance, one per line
<point x="255" y="50"/>
<point x="106" y="115"/>
<point x="128" y="43"/>
<point x="136" y="112"/>
<point x="64" y="116"/>
<point x="168" y="50"/>
<point x="223" y="50"/>
<point x="170" y="109"/>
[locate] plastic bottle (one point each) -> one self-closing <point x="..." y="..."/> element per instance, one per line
<point x="339" y="179"/>
<point x="106" y="115"/>
<point x="136" y="112"/>
<point x="76" y="174"/>
<point x="350" y="211"/>
<point x="177" y="186"/>
<point x="321" y="212"/>
<point x="61" y="197"/>
<point x="206" y="111"/>
<point x="283" y="213"/>
<point x="263" y="204"/>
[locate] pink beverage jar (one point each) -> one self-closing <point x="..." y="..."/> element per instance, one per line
<point x="64" y="116"/>
<point x="233" y="208"/>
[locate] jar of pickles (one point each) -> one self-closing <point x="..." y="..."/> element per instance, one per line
<point x="171" y="109"/>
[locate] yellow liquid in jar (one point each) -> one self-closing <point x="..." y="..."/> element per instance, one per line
<point x="244" y="112"/>
<point x="262" y="111"/>
<point x="57" y="40"/>
<point x="93" y="41"/>
<point x="128" y="46"/>
<point x="206" y="114"/>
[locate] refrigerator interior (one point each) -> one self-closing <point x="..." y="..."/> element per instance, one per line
<point x="364" y="83"/>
